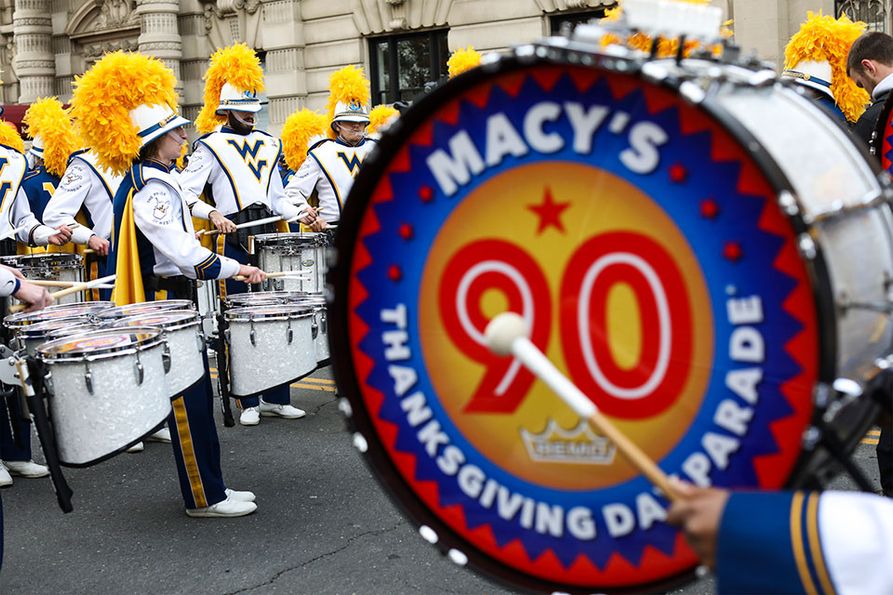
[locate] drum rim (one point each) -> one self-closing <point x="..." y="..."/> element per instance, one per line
<point x="394" y="138"/>
<point x="290" y="235"/>
<point x="24" y="332"/>
<point x="99" y="305"/>
<point x="155" y="338"/>
<point x="188" y="319"/>
<point x="115" y="312"/>
<point x="256" y="313"/>
<point x="12" y="321"/>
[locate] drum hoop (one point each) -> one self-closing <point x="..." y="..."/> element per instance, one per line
<point x="187" y="319"/>
<point x="255" y="313"/>
<point x="155" y="338"/>
<point x="117" y="312"/>
<point x="339" y="276"/>
<point x="299" y="237"/>
<point x="25" y="332"/>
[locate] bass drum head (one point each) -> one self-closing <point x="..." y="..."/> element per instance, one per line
<point x="882" y="139"/>
<point x="642" y="242"/>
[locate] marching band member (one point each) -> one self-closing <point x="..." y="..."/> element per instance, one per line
<point x="52" y="142"/>
<point x="236" y="167"/>
<point x="334" y="162"/>
<point x="789" y="542"/>
<point x="815" y="57"/>
<point x="302" y="129"/>
<point x="137" y="133"/>
<point x="870" y="65"/>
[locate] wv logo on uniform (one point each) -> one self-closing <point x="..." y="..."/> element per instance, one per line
<point x="249" y="154"/>
<point x="353" y="164"/>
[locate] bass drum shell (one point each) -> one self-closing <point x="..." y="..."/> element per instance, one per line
<point x="121" y="405"/>
<point x="269" y="346"/>
<point x="702" y="188"/>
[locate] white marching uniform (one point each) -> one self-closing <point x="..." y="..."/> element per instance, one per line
<point x="240" y="169"/>
<point x="160" y="213"/>
<point x="15" y="210"/>
<point x="84" y="184"/>
<point x="330" y="169"/>
<point x="802" y="542"/>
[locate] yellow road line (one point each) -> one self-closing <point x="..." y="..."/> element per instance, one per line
<point x="319" y="380"/>
<point x="870" y="441"/>
<point x="328" y="389"/>
<point x="873" y="433"/>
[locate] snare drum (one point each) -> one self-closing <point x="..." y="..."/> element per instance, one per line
<point x="698" y="246"/>
<point x="320" y="328"/>
<point x="50" y="267"/>
<point x="108" y="392"/>
<point x="293" y="252"/>
<point x="185" y="345"/>
<point x="30" y="337"/>
<point x="22" y="319"/>
<point x="269" y="346"/>
<point x="264" y="298"/>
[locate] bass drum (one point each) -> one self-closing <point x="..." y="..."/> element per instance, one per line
<point x="680" y="238"/>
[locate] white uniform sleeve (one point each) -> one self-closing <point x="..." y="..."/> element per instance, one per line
<point x="30" y="229"/>
<point x="9" y="283"/>
<point x="156" y="216"/>
<point x="195" y="176"/>
<point x="278" y="202"/>
<point x="68" y="199"/>
<point x="201" y="209"/>
<point x="301" y="185"/>
<point x="857" y="537"/>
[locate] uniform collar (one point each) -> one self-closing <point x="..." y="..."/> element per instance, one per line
<point x="344" y="144"/>
<point x="229" y="130"/>
<point x="157" y="165"/>
<point x="882" y="87"/>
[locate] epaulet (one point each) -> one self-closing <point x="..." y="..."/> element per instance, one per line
<point x="320" y="142"/>
<point x="136" y="174"/>
<point x="201" y="138"/>
<point x="77" y="153"/>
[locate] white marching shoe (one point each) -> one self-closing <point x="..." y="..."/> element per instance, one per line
<point x="224" y="509"/>
<point x="28" y="469"/>
<point x="5" y="477"/>
<point x="162" y="435"/>
<point x="240" y="496"/>
<point x="138" y="447"/>
<point x="250" y="416"/>
<point x="283" y="411"/>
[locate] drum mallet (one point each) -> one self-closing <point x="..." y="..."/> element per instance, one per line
<point x="507" y="334"/>
<point x="73" y="289"/>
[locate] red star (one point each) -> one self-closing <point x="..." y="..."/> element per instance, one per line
<point x="678" y="173"/>
<point x="732" y="251"/>
<point x="406" y="231"/>
<point x="549" y="213"/>
<point x="426" y="194"/>
<point x="709" y="209"/>
<point x="394" y="273"/>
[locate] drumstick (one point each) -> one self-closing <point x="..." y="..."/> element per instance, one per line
<point x="248" y="224"/>
<point x="47" y="283"/>
<point x="507" y="335"/>
<point x="73" y="289"/>
<point x="279" y="275"/>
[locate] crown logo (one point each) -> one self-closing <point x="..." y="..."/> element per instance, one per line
<point x="355" y="106"/>
<point x="579" y="445"/>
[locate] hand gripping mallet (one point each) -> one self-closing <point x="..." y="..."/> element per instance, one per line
<point x="507" y="334"/>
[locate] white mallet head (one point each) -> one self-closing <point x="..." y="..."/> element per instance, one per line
<point x="503" y="330"/>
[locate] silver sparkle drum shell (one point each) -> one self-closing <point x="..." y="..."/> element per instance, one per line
<point x="108" y="391"/>
<point x="185" y="345"/>
<point x="293" y="252"/>
<point x="50" y="266"/>
<point x="269" y="346"/>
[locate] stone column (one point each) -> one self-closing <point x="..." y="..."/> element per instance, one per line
<point x="34" y="63"/>
<point x="159" y="34"/>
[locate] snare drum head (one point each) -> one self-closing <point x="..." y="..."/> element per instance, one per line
<point x="642" y="242"/>
<point x="96" y="306"/>
<point x="145" y="308"/>
<point x="99" y="343"/>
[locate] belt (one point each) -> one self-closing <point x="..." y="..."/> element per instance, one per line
<point x="179" y="286"/>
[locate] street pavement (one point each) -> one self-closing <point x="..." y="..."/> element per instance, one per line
<point x="323" y="524"/>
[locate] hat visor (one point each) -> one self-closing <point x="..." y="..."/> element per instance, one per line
<point x="252" y="107"/>
<point x="351" y="118"/>
<point x="154" y="133"/>
<point x="812" y="85"/>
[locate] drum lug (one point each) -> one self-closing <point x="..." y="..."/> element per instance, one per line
<point x="88" y="378"/>
<point x="314" y="328"/>
<point x="200" y="341"/>
<point x="324" y="322"/>
<point x="289" y="333"/>
<point x="811" y="438"/>
<point x="252" y="335"/>
<point x="166" y="357"/>
<point x="48" y="382"/>
<point x="138" y="369"/>
<point x="807" y="246"/>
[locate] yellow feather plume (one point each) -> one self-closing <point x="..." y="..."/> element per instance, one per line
<point x="380" y="116"/>
<point x="347" y="85"/>
<point x="104" y="96"/>
<point x="824" y="38"/>
<point x="237" y="65"/>
<point x="48" y="119"/>
<point x="181" y="160"/>
<point x="299" y="129"/>
<point x="463" y="59"/>
<point x="10" y="137"/>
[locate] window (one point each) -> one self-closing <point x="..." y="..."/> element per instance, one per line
<point x="401" y="65"/>
<point x="262" y="118"/>
<point x="873" y="12"/>
<point x="558" y="22"/>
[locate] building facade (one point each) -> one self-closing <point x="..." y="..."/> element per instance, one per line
<point x="403" y="44"/>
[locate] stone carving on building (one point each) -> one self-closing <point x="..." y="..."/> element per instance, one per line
<point x="380" y="16"/>
<point x="232" y="21"/>
<point x="114" y="14"/>
<point x="549" y="6"/>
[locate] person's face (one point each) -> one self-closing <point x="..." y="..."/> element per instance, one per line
<point x="241" y="121"/>
<point x="868" y="76"/>
<point x="171" y="144"/>
<point x="351" y="132"/>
